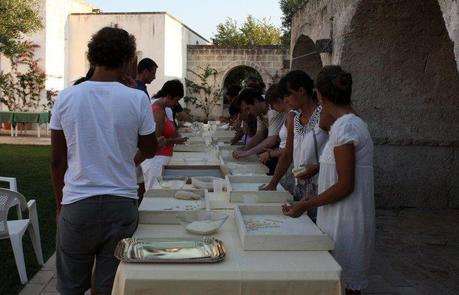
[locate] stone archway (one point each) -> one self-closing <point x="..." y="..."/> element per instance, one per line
<point x="406" y="86"/>
<point x="269" y="61"/>
<point x="267" y="78"/>
<point x="305" y="57"/>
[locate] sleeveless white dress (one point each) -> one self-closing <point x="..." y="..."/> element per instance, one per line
<point x="351" y="221"/>
<point x="288" y="180"/>
<point x="304" y="148"/>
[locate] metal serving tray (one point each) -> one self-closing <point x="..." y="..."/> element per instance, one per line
<point x="170" y="250"/>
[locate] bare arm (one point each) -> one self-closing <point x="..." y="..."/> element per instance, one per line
<point x="345" y="168"/>
<point x="286" y="157"/>
<point x="148" y="146"/>
<point x="58" y="164"/>
<point x="268" y="142"/>
<point x="256" y="139"/>
<point x="237" y="137"/>
<point x="160" y="117"/>
<point x="269" y="154"/>
<point x="239" y="132"/>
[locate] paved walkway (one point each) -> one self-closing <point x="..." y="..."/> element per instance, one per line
<point x="30" y="138"/>
<point x="417" y="253"/>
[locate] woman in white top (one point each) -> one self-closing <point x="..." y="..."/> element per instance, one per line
<point x="305" y="138"/>
<point x="346" y="193"/>
<point x="275" y="102"/>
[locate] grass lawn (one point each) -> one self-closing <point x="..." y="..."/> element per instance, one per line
<point x="31" y="167"/>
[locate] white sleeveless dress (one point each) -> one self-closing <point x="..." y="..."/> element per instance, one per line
<point x="304" y="147"/>
<point x="351" y="221"/>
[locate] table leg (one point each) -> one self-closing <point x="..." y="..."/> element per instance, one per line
<point x="16" y="129"/>
<point x="38" y="130"/>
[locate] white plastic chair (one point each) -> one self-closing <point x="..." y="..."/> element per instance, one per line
<point x="14" y="187"/>
<point x="15" y="229"/>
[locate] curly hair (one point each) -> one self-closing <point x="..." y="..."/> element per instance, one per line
<point x="335" y="84"/>
<point x="111" y="47"/>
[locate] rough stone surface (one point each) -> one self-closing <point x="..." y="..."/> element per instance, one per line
<point x="416" y="176"/>
<point x="404" y="58"/>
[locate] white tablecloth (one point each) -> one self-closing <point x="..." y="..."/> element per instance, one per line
<point x="242" y="272"/>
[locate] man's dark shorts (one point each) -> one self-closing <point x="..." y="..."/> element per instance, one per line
<point x="89" y="230"/>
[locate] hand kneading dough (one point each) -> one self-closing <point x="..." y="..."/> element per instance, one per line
<point x="202" y="227"/>
<point x="184" y="195"/>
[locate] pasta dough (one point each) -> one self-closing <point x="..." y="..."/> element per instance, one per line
<point x="299" y="171"/>
<point x="202" y="227"/>
<point x="185" y="195"/>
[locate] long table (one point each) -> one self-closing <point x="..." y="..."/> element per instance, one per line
<point x="242" y="272"/>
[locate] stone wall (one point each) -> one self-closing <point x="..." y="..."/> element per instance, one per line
<point x="270" y="61"/>
<point x="403" y="56"/>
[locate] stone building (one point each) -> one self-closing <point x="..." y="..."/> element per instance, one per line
<point x="271" y="62"/>
<point x="404" y="58"/>
<point x="69" y="25"/>
<point x="52" y="39"/>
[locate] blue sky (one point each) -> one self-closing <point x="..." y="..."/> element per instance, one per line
<point x="200" y="15"/>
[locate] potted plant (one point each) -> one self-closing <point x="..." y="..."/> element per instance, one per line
<point x="202" y="92"/>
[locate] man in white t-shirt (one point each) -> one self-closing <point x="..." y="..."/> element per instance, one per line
<point x="269" y="123"/>
<point x="96" y="129"/>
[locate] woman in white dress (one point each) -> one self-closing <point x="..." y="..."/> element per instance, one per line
<point x="275" y="102"/>
<point x="305" y="137"/>
<point x="346" y="194"/>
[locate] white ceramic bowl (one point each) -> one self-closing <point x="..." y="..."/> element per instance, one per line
<point x="217" y="219"/>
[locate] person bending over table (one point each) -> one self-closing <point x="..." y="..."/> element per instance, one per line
<point x="167" y="97"/>
<point x="305" y="137"/>
<point x="274" y="99"/>
<point x="269" y="123"/>
<point x="346" y="183"/>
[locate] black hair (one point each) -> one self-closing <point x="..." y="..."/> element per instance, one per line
<point x="111" y="47"/>
<point x="294" y="80"/>
<point x="273" y="95"/>
<point x="88" y="76"/>
<point x="173" y="88"/>
<point x="146" y="64"/>
<point x="233" y="90"/>
<point x="253" y="82"/>
<point x="249" y="95"/>
<point x="233" y="109"/>
<point x="335" y="84"/>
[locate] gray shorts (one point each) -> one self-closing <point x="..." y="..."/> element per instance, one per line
<point x="87" y="234"/>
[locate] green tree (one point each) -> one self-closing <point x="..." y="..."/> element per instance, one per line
<point x="289" y="8"/>
<point x="18" y="17"/>
<point x="252" y="32"/>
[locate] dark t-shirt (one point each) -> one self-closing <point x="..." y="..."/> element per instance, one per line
<point x="142" y="86"/>
<point x="176" y="109"/>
